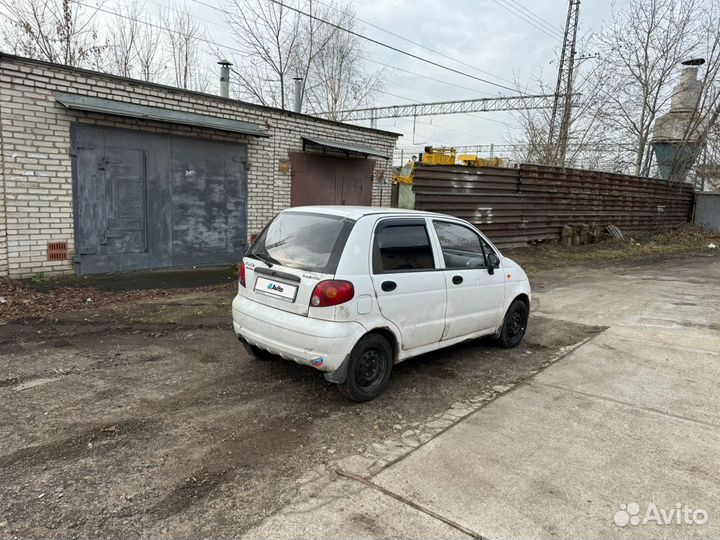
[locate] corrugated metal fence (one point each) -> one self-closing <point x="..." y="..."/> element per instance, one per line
<point x="517" y="206"/>
<point x="707" y="211"/>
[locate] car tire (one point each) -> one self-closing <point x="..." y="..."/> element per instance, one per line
<point x="258" y="353"/>
<point x="515" y="325"/>
<point x="369" y="367"/>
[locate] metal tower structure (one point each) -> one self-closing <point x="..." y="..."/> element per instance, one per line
<point x="506" y="103"/>
<point x="562" y="107"/>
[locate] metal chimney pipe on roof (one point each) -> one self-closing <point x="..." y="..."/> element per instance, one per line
<point x="298" y="94"/>
<point x="225" y="78"/>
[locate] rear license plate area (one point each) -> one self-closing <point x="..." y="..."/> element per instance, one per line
<point x="276" y="288"/>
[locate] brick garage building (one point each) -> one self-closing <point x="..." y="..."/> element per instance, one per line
<point x="101" y="173"/>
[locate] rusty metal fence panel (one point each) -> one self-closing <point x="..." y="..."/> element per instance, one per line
<point x="707" y="211"/>
<point x="531" y="203"/>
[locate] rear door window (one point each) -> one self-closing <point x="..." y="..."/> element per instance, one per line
<point x="461" y="246"/>
<point x="303" y="240"/>
<point x="402" y="247"/>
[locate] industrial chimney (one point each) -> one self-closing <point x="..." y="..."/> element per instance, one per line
<point x="298" y="94"/>
<point x="675" y="149"/>
<point x="224" y="78"/>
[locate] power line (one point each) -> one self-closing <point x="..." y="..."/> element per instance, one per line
<point x="442" y="97"/>
<point x="159" y="27"/>
<point x="518" y="14"/>
<point x="404" y="38"/>
<point x="416" y="74"/>
<point x="392" y="48"/>
<point x="536" y="17"/>
<point x="439" y="126"/>
<point x="215" y="44"/>
<point x="165" y="6"/>
<point x="224" y="11"/>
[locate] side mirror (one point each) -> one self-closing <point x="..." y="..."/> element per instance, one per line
<point x="493" y="263"/>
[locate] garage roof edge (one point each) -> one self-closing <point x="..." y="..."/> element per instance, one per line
<point x="203" y="95"/>
<point x="121" y="108"/>
<point x="339" y="145"/>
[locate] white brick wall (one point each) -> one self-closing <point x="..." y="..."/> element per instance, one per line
<point x="35" y="168"/>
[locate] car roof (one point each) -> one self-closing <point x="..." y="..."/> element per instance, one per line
<point x="356" y="212"/>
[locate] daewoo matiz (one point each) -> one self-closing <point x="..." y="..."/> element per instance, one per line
<point x="351" y="291"/>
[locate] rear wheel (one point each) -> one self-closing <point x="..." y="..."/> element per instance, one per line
<point x="369" y="368"/>
<point x="515" y="324"/>
<point x="257" y="352"/>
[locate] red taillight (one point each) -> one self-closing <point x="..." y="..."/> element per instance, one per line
<point x="241" y="274"/>
<point x="332" y="293"/>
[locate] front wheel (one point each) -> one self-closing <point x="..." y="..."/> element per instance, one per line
<point x="514" y="325"/>
<point x="369" y="367"/>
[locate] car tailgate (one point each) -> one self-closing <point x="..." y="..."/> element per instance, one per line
<point x="281" y="287"/>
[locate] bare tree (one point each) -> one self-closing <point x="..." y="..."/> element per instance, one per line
<point x="279" y="44"/>
<point x="183" y="37"/>
<point x="123" y="34"/>
<point x="707" y="172"/>
<point x="641" y="47"/>
<point x="59" y="31"/>
<point x="631" y="84"/>
<point x="267" y="33"/>
<point x="148" y="53"/>
<point x="335" y="77"/>
<point x="588" y="136"/>
<point x="701" y="129"/>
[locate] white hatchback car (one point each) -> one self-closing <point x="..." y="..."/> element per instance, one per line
<point x="351" y="291"/>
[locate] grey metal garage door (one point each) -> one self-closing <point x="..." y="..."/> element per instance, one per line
<point x="147" y="200"/>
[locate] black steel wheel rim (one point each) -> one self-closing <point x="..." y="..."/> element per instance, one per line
<point x="370" y="369"/>
<point x="516" y="324"/>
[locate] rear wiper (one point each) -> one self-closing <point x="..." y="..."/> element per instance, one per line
<point x="264" y="259"/>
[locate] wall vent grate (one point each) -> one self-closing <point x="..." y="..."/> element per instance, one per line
<point x="57" y="251"/>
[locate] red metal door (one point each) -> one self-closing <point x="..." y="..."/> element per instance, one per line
<point x="318" y="179"/>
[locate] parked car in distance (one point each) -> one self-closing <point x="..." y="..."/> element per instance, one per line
<point x="351" y="291"/>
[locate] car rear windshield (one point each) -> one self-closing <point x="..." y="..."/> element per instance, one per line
<point x="303" y="240"/>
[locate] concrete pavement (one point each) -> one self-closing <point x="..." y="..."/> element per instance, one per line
<point x="631" y="417"/>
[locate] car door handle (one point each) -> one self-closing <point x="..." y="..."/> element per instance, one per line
<point x="388" y="286"/>
<point x="457" y="280"/>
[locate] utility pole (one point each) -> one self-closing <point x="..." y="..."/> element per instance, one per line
<point x="562" y="107"/>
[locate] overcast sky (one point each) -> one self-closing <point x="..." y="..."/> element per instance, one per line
<point x="488" y="35"/>
<point x="480" y="33"/>
<point x="477" y="32"/>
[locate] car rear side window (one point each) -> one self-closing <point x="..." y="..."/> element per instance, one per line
<point x="303" y="240"/>
<point x="402" y="247"/>
<point x="461" y="246"/>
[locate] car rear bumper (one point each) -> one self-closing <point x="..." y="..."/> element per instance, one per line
<point x="323" y="345"/>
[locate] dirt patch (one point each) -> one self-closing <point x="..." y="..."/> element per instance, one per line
<point x="154" y="421"/>
<point x="685" y="240"/>
<point x="26" y="300"/>
<point x="74" y="446"/>
<point x="157" y="423"/>
<point x="224" y="462"/>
